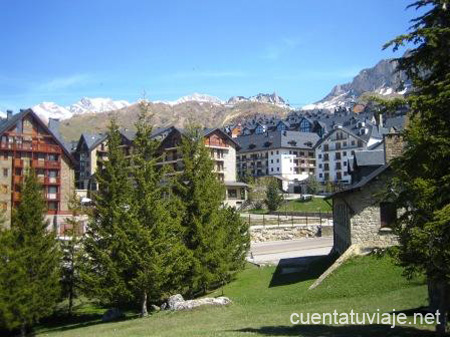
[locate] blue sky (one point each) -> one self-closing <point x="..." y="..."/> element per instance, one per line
<point x="63" y="50"/>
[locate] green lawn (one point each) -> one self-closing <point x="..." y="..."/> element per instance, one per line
<point x="264" y="298"/>
<point x="313" y="205"/>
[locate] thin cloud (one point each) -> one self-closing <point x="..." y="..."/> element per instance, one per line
<point x="61" y="83"/>
<point x="205" y="74"/>
<point x="320" y="74"/>
<point x="277" y="50"/>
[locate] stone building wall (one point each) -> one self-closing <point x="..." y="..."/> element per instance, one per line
<point x="5" y="186"/>
<point x="393" y="146"/>
<point x="67" y="183"/>
<point x="362" y="207"/>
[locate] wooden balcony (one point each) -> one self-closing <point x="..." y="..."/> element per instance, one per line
<point x="17" y="180"/>
<point x="52" y="196"/>
<point x="48" y="164"/>
<point x="16" y="196"/>
<point x="28" y="147"/>
<point x="18" y="162"/>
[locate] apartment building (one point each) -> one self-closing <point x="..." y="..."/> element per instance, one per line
<point x="222" y="148"/>
<point x="26" y="142"/>
<point x="92" y="149"/>
<point x="287" y="155"/>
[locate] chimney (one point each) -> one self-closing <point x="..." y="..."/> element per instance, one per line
<point x="393" y="146"/>
<point x="53" y="125"/>
<point x="380" y="120"/>
<point x="9" y="114"/>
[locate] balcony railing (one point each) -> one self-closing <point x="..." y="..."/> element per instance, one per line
<point x="37" y="147"/>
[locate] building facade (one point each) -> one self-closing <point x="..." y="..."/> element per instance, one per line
<point x="222" y="149"/>
<point x="287" y="155"/>
<point x="27" y="143"/>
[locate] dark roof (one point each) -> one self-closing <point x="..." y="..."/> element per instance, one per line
<point x="206" y="132"/>
<point x="6" y="124"/>
<point x="277" y="139"/>
<point x="396" y="123"/>
<point x="369" y="158"/>
<point x="93" y="140"/>
<point x="363" y="182"/>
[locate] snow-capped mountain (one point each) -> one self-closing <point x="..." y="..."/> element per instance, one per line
<point x="260" y="98"/>
<point x="382" y="79"/>
<point x="93" y="105"/>
<point x="48" y="110"/>
<point x="96" y="105"/>
<point x="196" y="97"/>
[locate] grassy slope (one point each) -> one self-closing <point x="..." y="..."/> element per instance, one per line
<point x="313" y="205"/>
<point x="264" y="299"/>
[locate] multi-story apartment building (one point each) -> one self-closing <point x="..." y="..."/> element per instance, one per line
<point x="334" y="151"/>
<point x="91" y="151"/>
<point x="26" y="142"/>
<point x="287" y="155"/>
<point x="223" y="152"/>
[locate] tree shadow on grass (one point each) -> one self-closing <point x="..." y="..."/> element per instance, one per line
<point x="339" y="331"/>
<point x="63" y="323"/>
<point x="294" y="270"/>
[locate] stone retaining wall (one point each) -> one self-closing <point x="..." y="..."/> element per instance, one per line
<point x="289" y="233"/>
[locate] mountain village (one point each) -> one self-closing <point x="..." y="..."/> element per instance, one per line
<point x="205" y="216"/>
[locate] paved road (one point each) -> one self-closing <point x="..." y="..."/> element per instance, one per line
<point x="272" y="252"/>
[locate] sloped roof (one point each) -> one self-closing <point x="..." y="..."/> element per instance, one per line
<point x="363" y="182"/>
<point x="6" y="124"/>
<point x="277" y="139"/>
<point x="369" y="158"/>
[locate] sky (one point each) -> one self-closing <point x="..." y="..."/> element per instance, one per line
<point x="61" y="50"/>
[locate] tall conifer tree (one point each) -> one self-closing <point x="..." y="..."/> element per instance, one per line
<point x="202" y="195"/>
<point x="106" y="243"/>
<point x="29" y="262"/>
<point x="422" y="183"/>
<point x="160" y="259"/>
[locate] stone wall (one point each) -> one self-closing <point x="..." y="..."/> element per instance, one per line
<point x="393" y="146"/>
<point x="67" y="182"/>
<point x="288" y="233"/>
<point x="364" y="220"/>
<point x="5" y="186"/>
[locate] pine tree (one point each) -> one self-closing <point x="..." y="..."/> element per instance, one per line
<point x="109" y="253"/>
<point x="30" y="262"/>
<point x="235" y="237"/>
<point x="422" y="183"/>
<point x="160" y="259"/>
<point x="202" y="194"/>
<point x="273" y="196"/>
<point x="71" y="248"/>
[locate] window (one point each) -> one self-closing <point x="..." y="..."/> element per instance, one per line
<point x="271" y="169"/>
<point x="52" y="189"/>
<point x="344" y="153"/>
<point x="277" y="152"/>
<point x="338" y="175"/>
<point x="388" y="214"/>
<point x="320" y="175"/>
<point x="5" y="172"/>
<point x="338" y="165"/>
<point x="320" y="165"/>
<point x="4" y="189"/>
<point x="278" y="169"/>
<point x="53" y="205"/>
<point x="278" y="160"/>
<point x="232" y="194"/>
<point x="325" y="147"/>
<point x="338" y="156"/>
<point x="271" y="161"/>
<point x="4" y="206"/>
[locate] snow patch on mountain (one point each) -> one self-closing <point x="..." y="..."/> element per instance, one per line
<point x="2" y="114"/>
<point x="47" y="110"/>
<point x="260" y="98"/>
<point x="86" y="105"/>
<point x="196" y="97"/>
